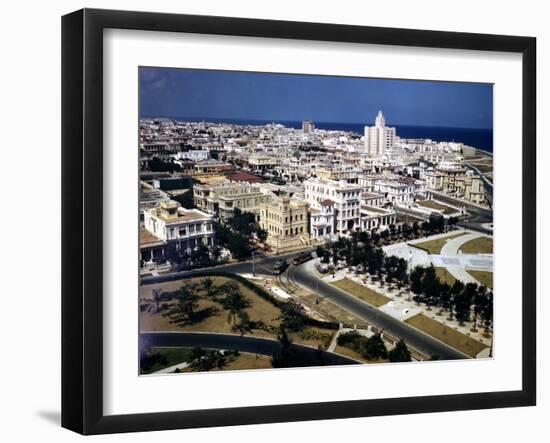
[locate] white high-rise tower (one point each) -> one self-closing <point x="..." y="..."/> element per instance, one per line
<point x="380" y="121"/>
<point x="379" y="138"/>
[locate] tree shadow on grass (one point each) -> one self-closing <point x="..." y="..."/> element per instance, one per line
<point x="197" y="317"/>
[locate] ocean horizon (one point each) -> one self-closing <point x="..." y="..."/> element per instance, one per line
<point x="476" y="137"/>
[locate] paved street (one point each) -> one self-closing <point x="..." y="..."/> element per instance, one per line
<point x="306" y="276"/>
<point x="247" y="343"/>
<point x="263" y="264"/>
<point x="450" y="251"/>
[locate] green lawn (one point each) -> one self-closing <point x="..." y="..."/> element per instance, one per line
<point x="167" y="357"/>
<point x="243" y="361"/>
<point x="249" y="361"/>
<point x="434" y="246"/>
<point x="445" y="276"/>
<point x="366" y="294"/>
<point x="447" y="335"/>
<point x="480" y="245"/>
<point x="344" y="350"/>
<point x="484" y="277"/>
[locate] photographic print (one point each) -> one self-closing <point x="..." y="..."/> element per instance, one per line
<point x="291" y="220"/>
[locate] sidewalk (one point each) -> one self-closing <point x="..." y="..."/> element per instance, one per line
<point x="402" y="307"/>
<point x="451" y="248"/>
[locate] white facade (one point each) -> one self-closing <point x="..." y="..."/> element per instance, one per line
<point x="379" y="138"/>
<point x="187" y="228"/>
<point x="196" y="155"/>
<point x="400" y="190"/>
<point x="322" y="220"/>
<point x="346" y="198"/>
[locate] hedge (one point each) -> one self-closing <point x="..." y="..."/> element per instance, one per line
<point x="259" y="291"/>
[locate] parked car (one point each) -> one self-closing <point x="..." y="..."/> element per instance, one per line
<point x="279" y="267"/>
<point x="302" y="258"/>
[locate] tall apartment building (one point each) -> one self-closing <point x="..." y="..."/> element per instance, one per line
<point x="308" y="127"/>
<point x="379" y="138"/>
<point x="346" y="198"/>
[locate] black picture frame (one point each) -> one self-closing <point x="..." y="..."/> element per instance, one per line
<point x="82" y="170"/>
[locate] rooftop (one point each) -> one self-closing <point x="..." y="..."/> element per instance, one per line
<point x="244" y="177"/>
<point x="170" y="213"/>
<point x="370" y="195"/>
<point x="375" y="210"/>
<point x="148" y="239"/>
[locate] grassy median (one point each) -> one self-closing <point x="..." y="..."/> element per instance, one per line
<point x="447" y="335"/>
<point x="484" y="277"/>
<point x="366" y="294"/>
<point x="480" y="245"/>
<point x="434" y="246"/>
<point x="445" y="276"/>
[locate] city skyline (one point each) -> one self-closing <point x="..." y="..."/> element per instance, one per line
<point x="230" y="95"/>
<point x="298" y="243"/>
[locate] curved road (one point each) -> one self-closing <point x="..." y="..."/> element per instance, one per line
<point x="263" y="264"/>
<point x="252" y="345"/>
<point x="306" y="276"/>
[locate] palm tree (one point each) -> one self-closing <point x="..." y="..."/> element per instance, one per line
<point x="156" y="298"/>
<point x="244" y="324"/>
<point x="184" y="308"/>
<point x="234" y="302"/>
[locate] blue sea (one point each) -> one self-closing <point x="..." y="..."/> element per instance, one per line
<point x="478" y="138"/>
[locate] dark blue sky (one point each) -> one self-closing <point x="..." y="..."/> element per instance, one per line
<point x="168" y="92"/>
